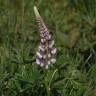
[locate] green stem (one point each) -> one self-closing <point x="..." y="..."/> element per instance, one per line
<point x="46" y="61"/>
<point x="46" y="72"/>
<point x="46" y="83"/>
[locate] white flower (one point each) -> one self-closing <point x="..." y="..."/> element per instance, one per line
<point x="37" y="61"/>
<point x="51" y="44"/>
<point x="39" y="55"/>
<point x="42" y="64"/>
<point x="53" y="60"/>
<point x="53" y="51"/>
<point x="41" y="48"/>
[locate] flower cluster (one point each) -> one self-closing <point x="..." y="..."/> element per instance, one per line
<point x="46" y="51"/>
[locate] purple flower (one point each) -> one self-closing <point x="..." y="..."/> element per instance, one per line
<point x="46" y="51"/>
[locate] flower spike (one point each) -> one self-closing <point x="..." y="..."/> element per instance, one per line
<point x="46" y="51"/>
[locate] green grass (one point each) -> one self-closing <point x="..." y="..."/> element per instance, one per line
<point x="73" y="27"/>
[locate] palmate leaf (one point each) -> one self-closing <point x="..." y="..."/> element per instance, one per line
<point x="28" y="75"/>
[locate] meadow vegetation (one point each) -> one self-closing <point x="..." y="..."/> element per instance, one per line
<point x="72" y="24"/>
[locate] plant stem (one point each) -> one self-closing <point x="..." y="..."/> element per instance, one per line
<point x="46" y="83"/>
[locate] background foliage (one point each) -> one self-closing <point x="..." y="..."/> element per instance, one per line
<point x="73" y="25"/>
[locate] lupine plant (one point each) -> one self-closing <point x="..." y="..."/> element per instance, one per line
<point x="46" y="50"/>
<point x="45" y="54"/>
